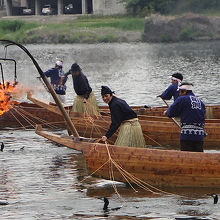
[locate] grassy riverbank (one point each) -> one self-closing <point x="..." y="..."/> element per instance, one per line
<point x="71" y="29"/>
<point x="99" y="29"/>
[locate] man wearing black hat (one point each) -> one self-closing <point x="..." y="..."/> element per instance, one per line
<point x="171" y="91"/>
<point x="85" y="100"/>
<point x="130" y="133"/>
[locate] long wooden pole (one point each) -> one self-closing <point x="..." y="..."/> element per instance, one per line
<point x="68" y="121"/>
<point x="175" y="121"/>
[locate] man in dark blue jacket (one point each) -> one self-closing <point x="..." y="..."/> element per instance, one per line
<point x="192" y="114"/>
<point x="171" y="91"/>
<point x="58" y="79"/>
<point x="130" y="133"/>
<point x="85" y="101"/>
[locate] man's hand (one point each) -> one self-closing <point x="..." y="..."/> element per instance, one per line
<point x="104" y="138"/>
<point x="165" y="112"/>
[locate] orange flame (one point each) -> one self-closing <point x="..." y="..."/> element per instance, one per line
<point x="6" y="91"/>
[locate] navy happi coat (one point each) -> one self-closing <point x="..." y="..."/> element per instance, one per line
<point x="55" y="75"/>
<point x="191" y="111"/>
<point x="170" y="92"/>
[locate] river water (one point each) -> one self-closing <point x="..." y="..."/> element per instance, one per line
<point x="42" y="180"/>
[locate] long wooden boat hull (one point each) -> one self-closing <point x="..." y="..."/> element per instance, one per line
<point x="168" y="168"/>
<point x="157" y="131"/>
<point x="28" y="115"/>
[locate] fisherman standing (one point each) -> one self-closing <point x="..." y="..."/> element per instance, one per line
<point x="85" y="101"/>
<point x="130" y="133"/>
<point x="171" y="91"/>
<point x="58" y="79"/>
<point x="192" y="114"/>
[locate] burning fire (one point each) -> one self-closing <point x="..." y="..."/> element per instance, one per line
<point x="6" y="92"/>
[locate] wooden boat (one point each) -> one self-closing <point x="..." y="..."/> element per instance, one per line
<point x="145" y="166"/>
<point x="28" y="115"/>
<point x="157" y="131"/>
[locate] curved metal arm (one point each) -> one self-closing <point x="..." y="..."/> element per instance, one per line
<point x="56" y="99"/>
<point x="7" y="59"/>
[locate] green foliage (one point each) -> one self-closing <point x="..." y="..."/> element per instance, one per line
<point x="187" y="34"/>
<point x="197" y="6"/>
<point x="86" y="37"/>
<point x="144" y="7"/>
<point x="10" y="26"/>
<point x="14" y="26"/>
<point x="166" y="38"/>
<point x="109" y="38"/>
<point x="86" y="29"/>
<point x="15" y="30"/>
<point x="123" y="23"/>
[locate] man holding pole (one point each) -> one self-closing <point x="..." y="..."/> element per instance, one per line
<point x="191" y="111"/>
<point x="171" y="91"/>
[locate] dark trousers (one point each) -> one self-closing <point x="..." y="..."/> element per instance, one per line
<point x="195" y="146"/>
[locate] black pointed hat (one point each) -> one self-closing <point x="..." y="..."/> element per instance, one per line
<point x="106" y="90"/>
<point x="75" y="67"/>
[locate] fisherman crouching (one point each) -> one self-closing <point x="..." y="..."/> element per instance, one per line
<point x="130" y="132"/>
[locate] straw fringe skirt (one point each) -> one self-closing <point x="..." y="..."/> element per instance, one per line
<point x="130" y="134"/>
<point x="90" y="108"/>
<point x="209" y="112"/>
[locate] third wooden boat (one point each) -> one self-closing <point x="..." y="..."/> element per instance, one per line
<point x="157" y="131"/>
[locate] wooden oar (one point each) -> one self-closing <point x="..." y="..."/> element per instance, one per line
<point x="68" y="121"/>
<point x="174" y="120"/>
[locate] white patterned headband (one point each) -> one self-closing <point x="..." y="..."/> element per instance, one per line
<point x="59" y="63"/>
<point x="174" y="78"/>
<point x="186" y="87"/>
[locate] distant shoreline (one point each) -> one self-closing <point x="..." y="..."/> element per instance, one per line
<point x="91" y="29"/>
<point x="188" y="27"/>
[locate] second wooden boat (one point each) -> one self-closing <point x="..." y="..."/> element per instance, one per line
<point x="157" y="131"/>
<point x="149" y="167"/>
<point x="27" y="115"/>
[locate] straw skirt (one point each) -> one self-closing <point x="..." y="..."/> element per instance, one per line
<point x="130" y="134"/>
<point x="90" y="108"/>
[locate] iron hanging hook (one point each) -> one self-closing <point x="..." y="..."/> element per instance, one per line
<point x="15" y="68"/>
<point x="2" y="76"/>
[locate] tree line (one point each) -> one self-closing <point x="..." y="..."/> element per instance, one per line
<point x="146" y="7"/>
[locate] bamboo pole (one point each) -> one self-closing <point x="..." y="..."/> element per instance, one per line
<point x="175" y="121"/>
<point x="68" y="121"/>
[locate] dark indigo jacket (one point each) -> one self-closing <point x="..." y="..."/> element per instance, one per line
<point x="120" y="111"/>
<point x="192" y="114"/>
<point x="170" y="92"/>
<point x="81" y="85"/>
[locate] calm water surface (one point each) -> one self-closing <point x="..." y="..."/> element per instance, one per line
<point x="42" y="180"/>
